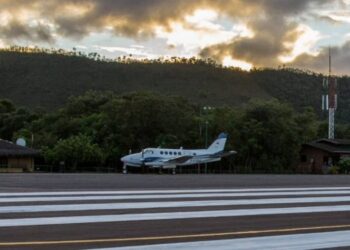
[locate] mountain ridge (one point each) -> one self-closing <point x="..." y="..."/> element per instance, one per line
<point x="48" y="80"/>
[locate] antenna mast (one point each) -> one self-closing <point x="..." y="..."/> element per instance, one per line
<point x="330" y="62"/>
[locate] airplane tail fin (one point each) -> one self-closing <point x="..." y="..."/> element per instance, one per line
<point x="219" y="144"/>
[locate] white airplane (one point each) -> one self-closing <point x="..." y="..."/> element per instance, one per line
<point x="165" y="158"/>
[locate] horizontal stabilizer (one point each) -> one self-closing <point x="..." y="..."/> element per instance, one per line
<point x="224" y="154"/>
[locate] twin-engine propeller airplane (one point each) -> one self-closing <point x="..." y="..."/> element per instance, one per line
<point x="164" y="158"/>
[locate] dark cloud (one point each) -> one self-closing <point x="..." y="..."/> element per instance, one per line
<point x="287" y="6"/>
<point x="16" y="30"/>
<point x="135" y="18"/>
<point x="272" y="30"/>
<point x="319" y="63"/>
<point x="328" y="19"/>
<point x="270" y="20"/>
<point x="138" y="17"/>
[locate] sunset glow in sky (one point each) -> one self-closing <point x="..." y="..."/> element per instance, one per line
<point x="239" y="33"/>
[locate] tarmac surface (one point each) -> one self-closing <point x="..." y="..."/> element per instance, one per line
<point x="113" y="211"/>
<point x="43" y="182"/>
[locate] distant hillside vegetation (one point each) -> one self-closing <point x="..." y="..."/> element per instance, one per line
<point x="47" y="80"/>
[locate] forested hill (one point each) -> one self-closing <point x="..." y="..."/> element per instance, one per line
<point x="48" y="79"/>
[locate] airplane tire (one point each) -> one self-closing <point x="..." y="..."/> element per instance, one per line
<point x="125" y="169"/>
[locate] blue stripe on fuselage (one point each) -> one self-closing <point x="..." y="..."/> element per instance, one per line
<point x="151" y="159"/>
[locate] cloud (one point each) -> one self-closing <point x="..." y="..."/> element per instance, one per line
<point x="261" y="49"/>
<point x="276" y="34"/>
<point x="78" y="18"/>
<point x="335" y="16"/>
<point x="17" y="30"/>
<point x="304" y="43"/>
<point x="319" y="62"/>
<point x="272" y="28"/>
<point x="137" y="18"/>
<point x="230" y="62"/>
<point x="134" y="51"/>
<point x="199" y="31"/>
<point x="2" y="44"/>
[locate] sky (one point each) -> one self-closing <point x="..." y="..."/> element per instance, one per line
<point x="239" y="33"/>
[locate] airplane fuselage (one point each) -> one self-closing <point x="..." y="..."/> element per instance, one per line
<point x="170" y="158"/>
<point x="155" y="157"/>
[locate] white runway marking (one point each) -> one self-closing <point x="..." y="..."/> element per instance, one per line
<point x="169" y="196"/>
<point x="284" y="242"/>
<point x="172" y="204"/>
<point x="124" y="200"/>
<point x="170" y="191"/>
<point x="168" y="216"/>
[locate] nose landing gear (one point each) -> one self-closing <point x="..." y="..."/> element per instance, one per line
<point x="125" y="169"/>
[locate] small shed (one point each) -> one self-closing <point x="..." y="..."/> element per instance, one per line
<point x="16" y="158"/>
<point x="319" y="155"/>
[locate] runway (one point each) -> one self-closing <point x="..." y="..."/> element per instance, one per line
<point x="316" y="217"/>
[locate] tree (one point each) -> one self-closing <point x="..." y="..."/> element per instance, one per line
<point x="142" y="119"/>
<point x="307" y="125"/>
<point x="12" y="119"/>
<point x="98" y="128"/>
<point x="75" y="151"/>
<point x="344" y="165"/>
<point x="269" y="139"/>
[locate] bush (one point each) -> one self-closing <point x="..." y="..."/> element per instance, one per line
<point x="344" y="165"/>
<point x="333" y="170"/>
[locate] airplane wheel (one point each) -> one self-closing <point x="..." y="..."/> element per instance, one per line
<point x="125" y="169"/>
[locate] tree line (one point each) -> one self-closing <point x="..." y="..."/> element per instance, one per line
<point x="126" y="59"/>
<point x="97" y="128"/>
<point x="38" y="77"/>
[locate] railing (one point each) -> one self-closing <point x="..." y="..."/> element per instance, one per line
<point x="65" y="169"/>
<point x="4" y="166"/>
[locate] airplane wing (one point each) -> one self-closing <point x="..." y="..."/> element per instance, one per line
<point x="179" y="160"/>
<point x="173" y="161"/>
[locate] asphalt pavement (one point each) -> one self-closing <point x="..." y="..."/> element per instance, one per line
<point x="111" y="211"/>
<point x="32" y="182"/>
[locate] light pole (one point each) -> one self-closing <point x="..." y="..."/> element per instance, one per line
<point x="206" y="109"/>
<point x="206" y="133"/>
